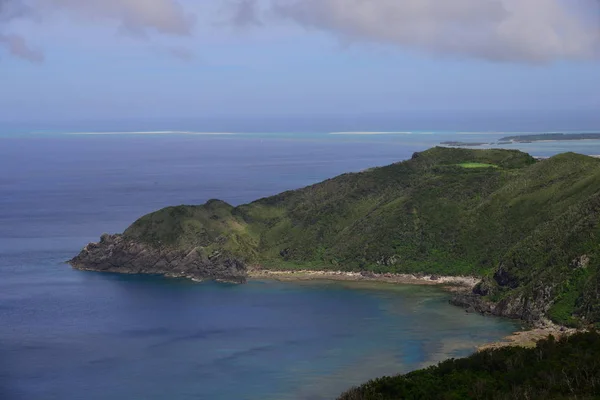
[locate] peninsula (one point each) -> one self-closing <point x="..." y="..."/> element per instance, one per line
<point x="527" y="138"/>
<point x="527" y="229"/>
<point x="550" y="137"/>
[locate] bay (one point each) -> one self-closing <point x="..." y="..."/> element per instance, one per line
<point x="67" y="334"/>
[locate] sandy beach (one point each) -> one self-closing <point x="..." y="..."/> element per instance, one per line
<point x="370" y="133"/>
<point x="152" y="133"/>
<point x="452" y="282"/>
<point x="529" y="337"/>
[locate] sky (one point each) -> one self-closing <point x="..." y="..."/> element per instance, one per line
<point x="348" y="63"/>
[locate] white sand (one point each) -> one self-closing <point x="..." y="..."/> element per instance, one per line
<point x="151" y="133"/>
<point x="370" y="133"/>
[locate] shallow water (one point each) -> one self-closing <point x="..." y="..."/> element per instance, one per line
<point x="67" y="334"/>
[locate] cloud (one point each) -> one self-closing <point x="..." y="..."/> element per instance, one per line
<point x="180" y="53"/>
<point x="10" y="9"/>
<point x="526" y="31"/>
<point x="139" y="17"/>
<point x="17" y="46"/>
<point x="246" y="13"/>
<point x="531" y="31"/>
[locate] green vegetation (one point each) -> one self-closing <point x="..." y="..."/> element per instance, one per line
<point x="564" y="369"/>
<point x="477" y="165"/>
<point x="529" y="229"/>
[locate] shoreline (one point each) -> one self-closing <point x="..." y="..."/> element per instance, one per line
<point x="450" y="283"/>
<point x="143" y="133"/>
<point x="528" y="337"/>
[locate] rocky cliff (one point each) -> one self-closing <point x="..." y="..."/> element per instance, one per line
<point x="116" y="253"/>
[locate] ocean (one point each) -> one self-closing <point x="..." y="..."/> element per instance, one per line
<point x="67" y="334"/>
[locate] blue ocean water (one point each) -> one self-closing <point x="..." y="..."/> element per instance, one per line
<point x="67" y="334"/>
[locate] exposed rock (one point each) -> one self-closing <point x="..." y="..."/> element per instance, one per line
<point x="580" y="262"/>
<point x="285" y="254"/>
<point x="483" y="288"/>
<point x="504" y="278"/>
<point x="472" y="302"/>
<point x="115" y="253"/>
<point x="531" y="308"/>
<point x="388" y="261"/>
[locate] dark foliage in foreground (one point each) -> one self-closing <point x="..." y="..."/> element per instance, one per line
<point x="565" y="369"/>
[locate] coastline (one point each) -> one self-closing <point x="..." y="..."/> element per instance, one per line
<point x="450" y="283"/>
<point x="150" y="133"/>
<point x="530" y="336"/>
<point x="527" y="337"/>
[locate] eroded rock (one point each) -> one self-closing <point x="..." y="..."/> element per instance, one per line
<point x="116" y="253"/>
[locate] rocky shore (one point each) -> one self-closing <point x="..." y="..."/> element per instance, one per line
<point x="529" y="337"/>
<point x="115" y="253"/>
<point x="533" y="312"/>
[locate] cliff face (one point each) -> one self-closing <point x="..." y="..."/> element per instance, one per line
<point x="530" y="230"/>
<point x="532" y="309"/>
<point x="116" y="253"/>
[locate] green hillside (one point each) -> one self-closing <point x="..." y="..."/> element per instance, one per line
<point x="530" y="229"/>
<point x="564" y="369"/>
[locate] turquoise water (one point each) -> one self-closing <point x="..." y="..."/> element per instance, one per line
<point x="67" y="334"/>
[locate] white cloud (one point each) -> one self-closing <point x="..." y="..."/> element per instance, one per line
<point x="530" y="31"/>
<point x="18" y="47"/>
<point x="498" y="30"/>
<point x="139" y="17"/>
<point x="245" y="13"/>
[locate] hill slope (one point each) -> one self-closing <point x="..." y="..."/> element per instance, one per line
<point x="529" y="229"/>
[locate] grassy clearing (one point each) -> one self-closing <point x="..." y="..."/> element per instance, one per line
<point x="477" y="165"/>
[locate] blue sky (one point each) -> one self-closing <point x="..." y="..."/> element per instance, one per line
<point x="297" y="59"/>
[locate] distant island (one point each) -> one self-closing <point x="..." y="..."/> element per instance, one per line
<point x="551" y="136"/>
<point x="529" y="138"/>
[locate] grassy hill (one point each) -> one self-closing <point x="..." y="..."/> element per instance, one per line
<point x="564" y="369"/>
<point x="529" y="228"/>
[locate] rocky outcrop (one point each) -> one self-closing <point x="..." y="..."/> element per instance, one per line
<point x="116" y="253"/>
<point x="531" y="309"/>
<point x="472" y="302"/>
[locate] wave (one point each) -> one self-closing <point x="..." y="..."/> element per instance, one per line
<point x="150" y="133"/>
<point x="370" y="133"/>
